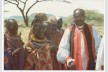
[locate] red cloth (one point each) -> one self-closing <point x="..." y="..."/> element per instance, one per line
<point x="77" y="47"/>
<point x="39" y="59"/>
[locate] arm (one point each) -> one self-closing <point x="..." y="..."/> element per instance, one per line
<point x="64" y="47"/>
<point x="100" y="56"/>
<point x="97" y="39"/>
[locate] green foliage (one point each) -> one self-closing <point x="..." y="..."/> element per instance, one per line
<point x="92" y="17"/>
<point x="24" y="33"/>
<point x="68" y="20"/>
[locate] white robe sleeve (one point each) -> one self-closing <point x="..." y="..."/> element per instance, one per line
<point x="100" y="56"/>
<point x="64" y="47"/>
<point x="97" y="39"/>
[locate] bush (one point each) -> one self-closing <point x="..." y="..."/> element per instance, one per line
<point x="92" y="17"/>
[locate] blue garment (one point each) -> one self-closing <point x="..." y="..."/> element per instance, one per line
<point x="7" y="64"/>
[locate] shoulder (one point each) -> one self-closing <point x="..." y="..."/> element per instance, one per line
<point x="89" y="25"/>
<point x="69" y="29"/>
<point x="91" y="28"/>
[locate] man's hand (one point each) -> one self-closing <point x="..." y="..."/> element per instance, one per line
<point x="102" y="67"/>
<point x="70" y="64"/>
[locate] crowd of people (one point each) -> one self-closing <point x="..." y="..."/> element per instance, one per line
<point x="49" y="47"/>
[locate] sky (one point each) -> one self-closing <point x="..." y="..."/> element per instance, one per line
<point x="56" y="8"/>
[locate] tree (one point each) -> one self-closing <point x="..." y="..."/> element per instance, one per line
<point x="22" y="9"/>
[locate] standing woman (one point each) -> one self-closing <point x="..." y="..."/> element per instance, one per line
<point x="39" y="17"/>
<point x="39" y="57"/>
<point x="13" y="46"/>
<point x="60" y="34"/>
<point x="55" y="38"/>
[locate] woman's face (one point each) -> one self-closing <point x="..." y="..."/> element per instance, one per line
<point x="59" y="23"/>
<point x="13" y="29"/>
<point x="49" y="29"/>
<point x="39" y="30"/>
<point x="54" y="27"/>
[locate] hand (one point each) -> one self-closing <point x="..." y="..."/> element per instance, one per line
<point x="70" y="63"/>
<point x="16" y="51"/>
<point x="102" y="67"/>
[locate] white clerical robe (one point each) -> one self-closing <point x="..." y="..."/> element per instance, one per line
<point x="64" y="47"/>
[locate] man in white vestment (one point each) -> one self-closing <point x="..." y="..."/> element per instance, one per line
<point x="79" y="44"/>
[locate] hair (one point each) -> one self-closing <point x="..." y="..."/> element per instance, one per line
<point x="34" y="22"/>
<point x="52" y="20"/>
<point x="10" y="22"/>
<point x="59" y="21"/>
<point x="80" y="10"/>
<point x="39" y="17"/>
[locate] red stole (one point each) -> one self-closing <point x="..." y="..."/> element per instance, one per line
<point x="77" y="46"/>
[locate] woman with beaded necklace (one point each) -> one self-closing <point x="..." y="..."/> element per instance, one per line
<point x="39" y="57"/>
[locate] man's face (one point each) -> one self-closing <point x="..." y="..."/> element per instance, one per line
<point x="13" y="29"/>
<point x="79" y="17"/>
